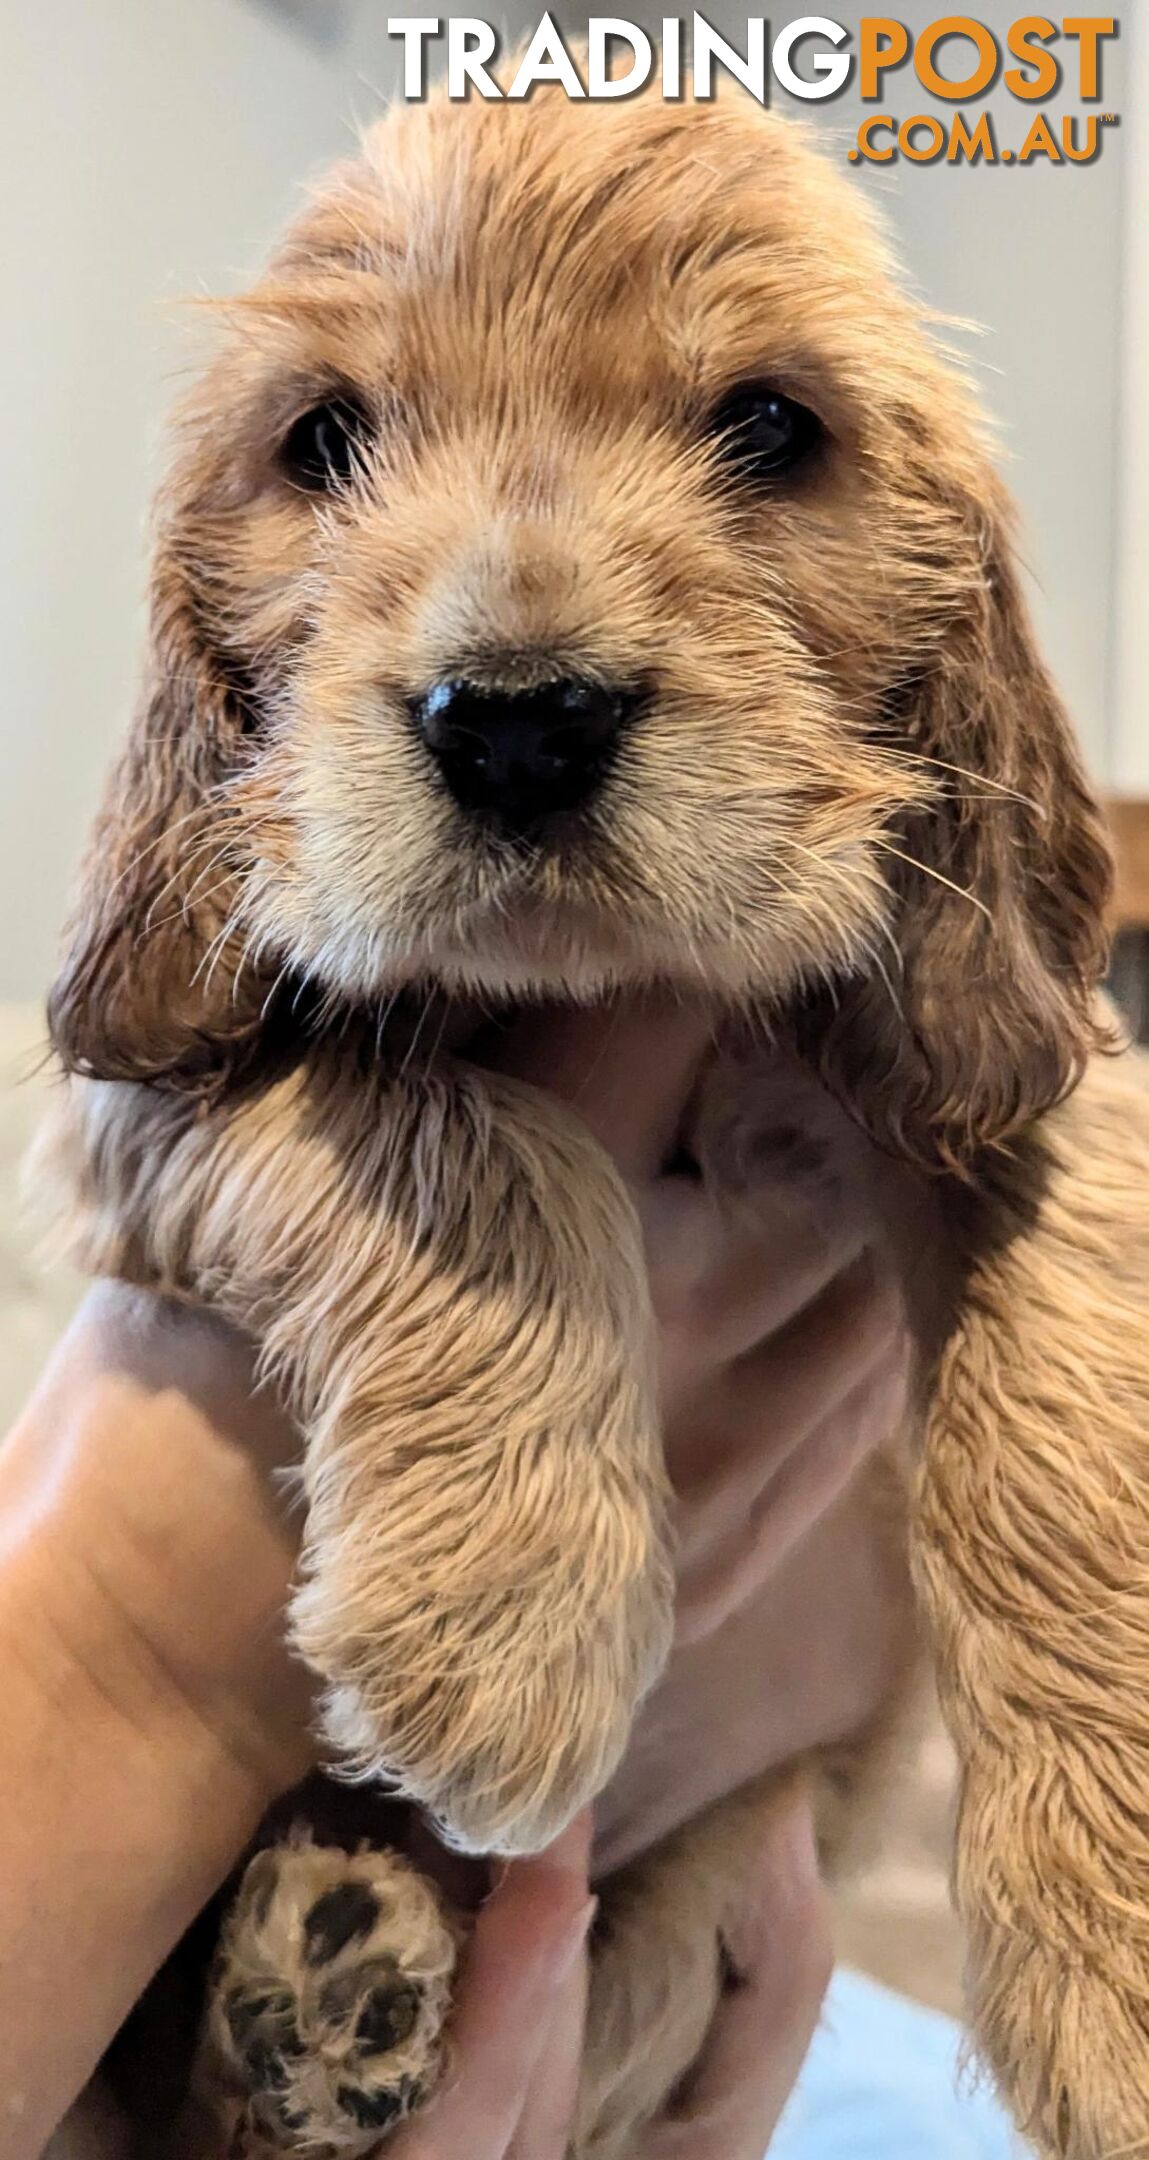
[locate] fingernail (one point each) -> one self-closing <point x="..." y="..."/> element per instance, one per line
<point x="573" y="1948"/>
<point x="788" y="1860"/>
<point x="800" y="1838"/>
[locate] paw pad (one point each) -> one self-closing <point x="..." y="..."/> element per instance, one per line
<point x="332" y="1991"/>
<point x="389" y="2015"/>
<point x="372" y="2111"/>
<point x="341" y="1916"/>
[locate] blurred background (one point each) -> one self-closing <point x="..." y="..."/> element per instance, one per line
<point x="149" y="149"/>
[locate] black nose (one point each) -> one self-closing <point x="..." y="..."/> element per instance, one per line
<point x="522" y="756"/>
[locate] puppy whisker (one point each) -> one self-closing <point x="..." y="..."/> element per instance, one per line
<point x="928" y="870"/>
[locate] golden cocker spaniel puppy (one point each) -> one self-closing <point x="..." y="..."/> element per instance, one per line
<point x="580" y="569"/>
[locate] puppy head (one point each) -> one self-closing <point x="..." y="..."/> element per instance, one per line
<point x="578" y="569"/>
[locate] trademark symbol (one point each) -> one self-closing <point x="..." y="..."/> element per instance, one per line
<point x="1108" y="119"/>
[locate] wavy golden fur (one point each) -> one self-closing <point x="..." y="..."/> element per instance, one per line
<point x="851" y="810"/>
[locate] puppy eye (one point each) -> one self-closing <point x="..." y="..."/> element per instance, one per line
<point x="324" y="448"/>
<point x="760" y="433"/>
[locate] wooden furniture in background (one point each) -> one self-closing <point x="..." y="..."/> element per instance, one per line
<point x="1129" y="971"/>
<point x="1129" y="820"/>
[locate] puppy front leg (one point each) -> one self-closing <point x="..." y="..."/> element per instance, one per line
<point x="659" y="1966"/>
<point x="1033" y="1553"/>
<point x="447" y="1281"/>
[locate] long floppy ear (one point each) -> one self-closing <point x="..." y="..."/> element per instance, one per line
<point x="151" y="986"/>
<point x="1000" y="892"/>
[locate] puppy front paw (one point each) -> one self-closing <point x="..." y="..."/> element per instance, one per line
<point x="325" y="2025"/>
<point x="502" y="1713"/>
<point x="485" y="1586"/>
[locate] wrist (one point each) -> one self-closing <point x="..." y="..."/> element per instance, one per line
<point x="91" y="1686"/>
<point x="152" y="1556"/>
<point x="124" y="1812"/>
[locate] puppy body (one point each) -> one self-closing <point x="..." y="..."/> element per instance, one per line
<point x="845" y="806"/>
<point x="415" y="1219"/>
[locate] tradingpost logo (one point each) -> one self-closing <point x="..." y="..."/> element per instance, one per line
<point x="958" y="61"/>
<point x="1052" y="70"/>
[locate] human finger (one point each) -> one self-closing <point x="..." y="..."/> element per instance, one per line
<point x="717" y="1583"/>
<point x="528" y="1936"/>
<point x="767" y="1402"/>
<point x="546" y="2122"/>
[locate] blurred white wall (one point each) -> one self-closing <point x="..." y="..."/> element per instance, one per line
<point x="148" y="148"/>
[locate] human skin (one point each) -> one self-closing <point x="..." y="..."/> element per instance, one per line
<point x="152" y="1712"/>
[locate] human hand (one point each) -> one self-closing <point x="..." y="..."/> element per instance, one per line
<point x="143" y="1503"/>
<point x="150" y="1708"/>
<point x="518" y="2025"/>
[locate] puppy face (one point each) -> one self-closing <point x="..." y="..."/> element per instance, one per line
<point x="511" y="347"/>
<point x="578" y="569"/>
